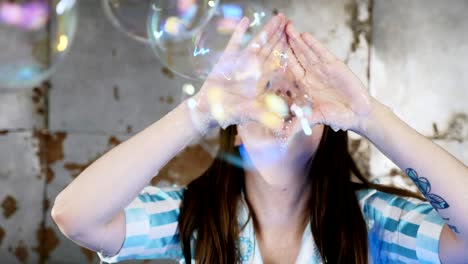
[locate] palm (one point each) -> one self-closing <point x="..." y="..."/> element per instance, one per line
<point x="230" y="91"/>
<point x="337" y="95"/>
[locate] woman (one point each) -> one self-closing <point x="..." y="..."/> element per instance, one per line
<point x="296" y="201"/>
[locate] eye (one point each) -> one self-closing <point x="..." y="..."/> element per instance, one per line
<point x="288" y="93"/>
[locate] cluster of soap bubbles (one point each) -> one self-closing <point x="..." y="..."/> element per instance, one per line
<point x="34" y="36"/>
<point x="190" y="37"/>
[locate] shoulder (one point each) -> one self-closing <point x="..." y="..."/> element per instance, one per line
<point x="156" y="205"/>
<point x="400" y="228"/>
<point x="154" y="193"/>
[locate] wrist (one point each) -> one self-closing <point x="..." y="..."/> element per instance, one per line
<point x="199" y="114"/>
<point x="372" y="120"/>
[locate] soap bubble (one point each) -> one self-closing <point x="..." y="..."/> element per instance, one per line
<point x="174" y="21"/>
<point x="129" y="16"/>
<point x="192" y="48"/>
<point x="34" y="36"/>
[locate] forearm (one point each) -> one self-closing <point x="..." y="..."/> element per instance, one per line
<point x="446" y="176"/>
<point x="113" y="181"/>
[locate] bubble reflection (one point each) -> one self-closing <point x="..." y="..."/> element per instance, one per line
<point x="35" y="36"/>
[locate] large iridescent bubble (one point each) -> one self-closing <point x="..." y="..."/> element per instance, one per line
<point x="179" y="17"/>
<point x="190" y="43"/>
<point x="34" y="36"/>
<point x="129" y="16"/>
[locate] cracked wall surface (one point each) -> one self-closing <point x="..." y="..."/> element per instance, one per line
<point x="409" y="53"/>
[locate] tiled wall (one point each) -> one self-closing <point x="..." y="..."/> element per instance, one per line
<point x="412" y="54"/>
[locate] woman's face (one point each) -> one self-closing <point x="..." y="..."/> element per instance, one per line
<point x="290" y="143"/>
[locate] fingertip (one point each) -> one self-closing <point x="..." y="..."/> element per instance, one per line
<point x="244" y="21"/>
<point x="291" y="30"/>
<point x="306" y="36"/>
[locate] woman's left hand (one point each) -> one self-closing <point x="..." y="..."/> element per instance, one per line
<point x="339" y="99"/>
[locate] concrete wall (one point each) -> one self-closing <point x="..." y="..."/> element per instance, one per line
<point x="412" y="54"/>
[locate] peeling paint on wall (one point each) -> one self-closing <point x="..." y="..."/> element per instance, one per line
<point x="50" y="175"/>
<point x="166" y="99"/>
<point x="359" y="150"/>
<point x="167" y="72"/>
<point x="9" y="206"/>
<point x="359" y="24"/>
<point x="116" y="93"/>
<point x="21" y="252"/>
<point x="185" y="167"/>
<point x="129" y="129"/>
<point x="113" y="141"/>
<point x="51" y="145"/>
<point x="47" y="242"/>
<point x="2" y="235"/>
<point x="457" y="128"/>
<point x="76" y="168"/>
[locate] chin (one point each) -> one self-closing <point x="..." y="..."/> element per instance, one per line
<point x="267" y="147"/>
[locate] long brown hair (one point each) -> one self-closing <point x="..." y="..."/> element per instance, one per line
<point x="210" y="205"/>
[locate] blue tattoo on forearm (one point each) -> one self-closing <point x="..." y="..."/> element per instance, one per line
<point x="454" y="228"/>
<point x="425" y="187"/>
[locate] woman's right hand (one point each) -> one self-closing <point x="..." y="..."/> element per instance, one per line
<point x="229" y="95"/>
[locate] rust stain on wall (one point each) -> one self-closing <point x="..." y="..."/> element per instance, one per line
<point x="89" y="254"/>
<point x="169" y="99"/>
<point x="46" y="204"/>
<point x="9" y="206"/>
<point x="185" y="167"/>
<point x="55" y="146"/>
<point x="37" y="94"/>
<point x="51" y="145"/>
<point x="47" y="242"/>
<point x="50" y="175"/>
<point x="2" y="235"/>
<point x="167" y="72"/>
<point x="116" y="93"/>
<point x="396" y="172"/>
<point x="129" y="129"/>
<point x="353" y="145"/>
<point x="77" y="168"/>
<point x="113" y="141"/>
<point x="357" y="26"/>
<point x="38" y="97"/>
<point x="457" y="129"/>
<point x="21" y="252"/>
